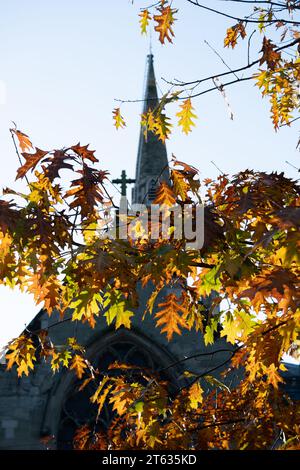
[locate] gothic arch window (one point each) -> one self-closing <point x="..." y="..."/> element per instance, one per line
<point x="77" y="410"/>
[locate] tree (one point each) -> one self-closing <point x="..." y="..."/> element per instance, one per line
<point x="271" y="62"/>
<point x="53" y="245"/>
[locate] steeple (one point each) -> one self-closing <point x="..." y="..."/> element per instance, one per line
<point x="152" y="161"/>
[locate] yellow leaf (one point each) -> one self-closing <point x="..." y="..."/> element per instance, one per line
<point x="144" y="21"/>
<point x="22" y="353"/>
<point x="86" y="307"/>
<point x="119" y="313"/>
<point x="181" y="187"/>
<point x="237" y="326"/>
<point x="118" y="118"/>
<point x="60" y="357"/>
<point x="195" y="395"/>
<point x="233" y="34"/>
<point x="186" y="116"/>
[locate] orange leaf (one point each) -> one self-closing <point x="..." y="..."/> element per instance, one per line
<point x="169" y="316"/>
<point x="164" y="23"/>
<point x="24" y="141"/>
<point x="165" y="195"/>
<point x="79" y="365"/>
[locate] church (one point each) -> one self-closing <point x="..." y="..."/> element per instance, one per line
<point x="45" y="404"/>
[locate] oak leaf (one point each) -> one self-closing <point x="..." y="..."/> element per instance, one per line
<point x="21" y="352"/>
<point x="118" y="118"/>
<point x="180" y="185"/>
<point x="170" y="315"/>
<point x="24" y="141"/>
<point x="233" y="34"/>
<point x="195" y="395"/>
<point x="145" y="17"/>
<point x="164" y="21"/>
<point x="32" y="159"/>
<point x="165" y="195"/>
<point x="270" y="55"/>
<point x="84" y="152"/>
<point x="186" y="116"/>
<point x="79" y="365"/>
<point x="118" y="312"/>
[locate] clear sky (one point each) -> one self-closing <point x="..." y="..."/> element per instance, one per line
<point x="62" y="64"/>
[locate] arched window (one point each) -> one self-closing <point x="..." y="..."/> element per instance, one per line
<point x="76" y="408"/>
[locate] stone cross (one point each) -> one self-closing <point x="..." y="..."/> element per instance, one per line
<point x="123" y="181"/>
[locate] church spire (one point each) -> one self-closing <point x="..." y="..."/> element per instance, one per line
<point x="152" y="161"/>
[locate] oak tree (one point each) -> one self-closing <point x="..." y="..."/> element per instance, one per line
<point x="53" y="245"/>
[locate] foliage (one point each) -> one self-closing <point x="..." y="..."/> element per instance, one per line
<point x="50" y="246"/>
<point x="53" y="245"/>
<point x="274" y="69"/>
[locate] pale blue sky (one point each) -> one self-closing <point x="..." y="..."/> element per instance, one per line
<point x="63" y="62"/>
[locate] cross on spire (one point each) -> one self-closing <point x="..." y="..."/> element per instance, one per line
<point x="123" y="181"/>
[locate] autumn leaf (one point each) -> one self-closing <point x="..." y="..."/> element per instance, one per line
<point x="84" y="152"/>
<point x="31" y="162"/>
<point x="79" y="365"/>
<point x="170" y="315"/>
<point x="156" y="122"/>
<point x="87" y="191"/>
<point x="60" y="358"/>
<point x="21" y="352"/>
<point x="180" y="185"/>
<point x="118" y="119"/>
<point x="195" y="395"/>
<point x="162" y="126"/>
<point x="145" y="17"/>
<point x="270" y="55"/>
<point x="186" y="116"/>
<point x="57" y="162"/>
<point x="233" y="34"/>
<point x="24" y="141"/>
<point x="119" y="313"/>
<point x="237" y="326"/>
<point x="82" y="437"/>
<point x="9" y="216"/>
<point x="165" y="195"/>
<point x="164" y="21"/>
<point x="86" y="307"/>
<point x="273" y="376"/>
<point x="123" y="396"/>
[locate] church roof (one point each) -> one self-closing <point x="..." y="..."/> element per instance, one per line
<point x="152" y="160"/>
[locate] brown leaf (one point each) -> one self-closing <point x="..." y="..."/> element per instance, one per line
<point x="84" y="152"/>
<point x="31" y="162"/>
<point x="270" y="56"/>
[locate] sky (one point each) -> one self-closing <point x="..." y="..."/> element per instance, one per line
<point x="63" y="63"/>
